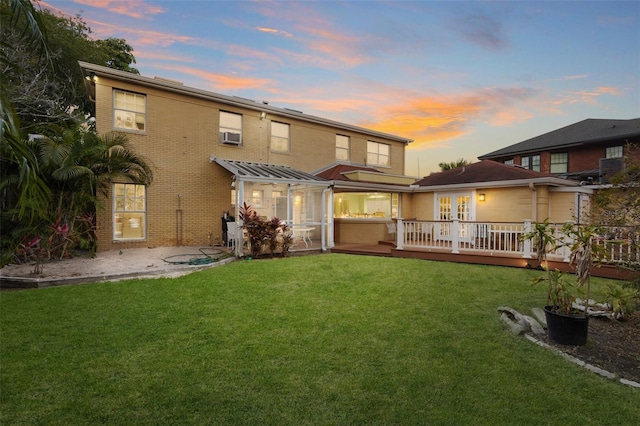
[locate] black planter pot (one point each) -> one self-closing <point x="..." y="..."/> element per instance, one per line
<point x="567" y="329"/>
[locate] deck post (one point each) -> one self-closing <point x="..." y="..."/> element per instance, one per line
<point x="400" y="234"/>
<point x="526" y="247"/>
<point x="455" y="236"/>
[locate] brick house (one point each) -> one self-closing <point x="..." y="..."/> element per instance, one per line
<point x="211" y="153"/>
<point x="589" y="151"/>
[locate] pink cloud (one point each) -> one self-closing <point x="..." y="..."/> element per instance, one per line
<point x="132" y="8"/>
<point x="326" y="44"/>
<point x="137" y="37"/>
<point x="274" y="31"/>
<point x="589" y="97"/>
<point x="222" y="82"/>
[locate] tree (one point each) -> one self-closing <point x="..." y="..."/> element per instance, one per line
<point x="50" y="89"/>
<point x="48" y="183"/>
<point x="25" y="194"/>
<point x="452" y="165"/>
<point x="76" y="164"/>
<point x="618" y="207"/>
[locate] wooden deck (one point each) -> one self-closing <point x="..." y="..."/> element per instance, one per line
<point x="388" y="249"/>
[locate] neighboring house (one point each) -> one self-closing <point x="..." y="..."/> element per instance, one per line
<point x="211" y="153"/>
<point x="589" y="151"/>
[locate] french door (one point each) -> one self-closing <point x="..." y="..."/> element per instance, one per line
<point x="454" y="206"/>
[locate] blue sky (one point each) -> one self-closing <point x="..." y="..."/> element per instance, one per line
<point x="460" y="78"/>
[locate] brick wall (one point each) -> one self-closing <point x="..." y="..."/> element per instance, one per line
<point x="189" y="194"/>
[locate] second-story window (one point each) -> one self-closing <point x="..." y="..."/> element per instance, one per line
<point x="614" y="152"/>
<point x="559" y="162"/>
<point x="342" y="148"/>
<point x="378" y="154"/>
<point x="129" y="110"/>
<point x="230" y="128"/>
<point x="279" y="137"/>
<point x="531" y="162"/>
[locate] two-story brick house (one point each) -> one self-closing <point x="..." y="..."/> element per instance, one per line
<point x="211" y="153"/>
<point x="589" y="151"/>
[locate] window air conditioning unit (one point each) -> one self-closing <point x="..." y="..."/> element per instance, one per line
<point x="231" y="138"/>
<point x="609" y="167"/>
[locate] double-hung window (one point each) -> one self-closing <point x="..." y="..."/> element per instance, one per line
<point x="614" y="152"/>
<point x="342" y="148"/>
<point x="279" y="137"/>
<point x="378" y="154"/>
<point x="531" y="162"/>
<point x="230" y="128"/>
<point x="129" y="111"/>
<point x="129" y="211"/>
<point x="559" y="162"/>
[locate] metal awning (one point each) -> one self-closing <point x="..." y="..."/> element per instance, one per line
<point x="260" y="172"/>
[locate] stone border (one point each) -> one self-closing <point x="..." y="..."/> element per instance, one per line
<point x="590" y="367"/>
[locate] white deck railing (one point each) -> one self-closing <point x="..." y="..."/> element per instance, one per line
<point x="503" y="238"/>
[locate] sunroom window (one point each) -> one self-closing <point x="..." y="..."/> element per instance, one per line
<point x="366" y="205"/>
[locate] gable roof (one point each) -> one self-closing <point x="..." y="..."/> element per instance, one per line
<point x="177" y="87"/>
<point x="585" y="132"/>
<point x="486" y="171"/>
<point x="347" y="175"/>
<point x="339" y="171"/>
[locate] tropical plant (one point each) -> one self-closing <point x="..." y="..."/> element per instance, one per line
<point x="452" y="164"/>
<point x="586" y="253"/>
<point x="75" y="164"/>
<point x="25" y="194"/>
<point x="560" y="293"/>
<point x="265" y="234"/>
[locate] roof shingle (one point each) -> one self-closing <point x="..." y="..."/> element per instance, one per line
<point x="482" y="171"/>
<point x="584" y="132"/>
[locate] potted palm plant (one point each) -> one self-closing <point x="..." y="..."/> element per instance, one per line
<point x="566" y="325"/>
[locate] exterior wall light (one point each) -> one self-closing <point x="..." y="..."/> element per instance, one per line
<point x="481" y="197"/>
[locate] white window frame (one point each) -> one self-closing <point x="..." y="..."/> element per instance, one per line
<point x="556" y="166"/>
<point x="129" y="111"/>
<point x="378" y="154"/>
<point x="342" y="147"/>
<point x="133" y="211"/>
<point x="614" y="151"/>
<point x="230" y="122"/>
<point x="280" y="137"/>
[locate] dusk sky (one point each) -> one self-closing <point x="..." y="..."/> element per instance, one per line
<point x="461" y="79"/>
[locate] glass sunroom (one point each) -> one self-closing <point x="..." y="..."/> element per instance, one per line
<point x="303" y="201"/>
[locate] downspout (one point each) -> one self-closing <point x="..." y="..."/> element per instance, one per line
<point x="534" y="202"/>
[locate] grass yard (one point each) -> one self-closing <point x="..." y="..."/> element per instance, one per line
<point x="327" y="339"/>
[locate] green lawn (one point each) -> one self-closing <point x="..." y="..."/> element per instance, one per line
<point x="327" y="339"/>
